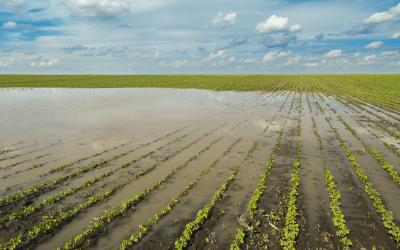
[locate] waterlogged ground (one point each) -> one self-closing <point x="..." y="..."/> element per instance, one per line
<point x="135" y="167"/>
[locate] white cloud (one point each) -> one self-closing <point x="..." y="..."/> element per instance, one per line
<point x="283" y="54"/>
<point x="395" y="63"/>
<point x="49" y="63"/>
<point x="221" y="62"/>
<point x="291" y="61"/>
<point x="157" y="56"/>
<point x="252" y="60"/>
<point x="393" y="14"/>
<point x="178" y="64"/>
<point x="273" y="24"/>
<point x="323" y="61"/>
<point x="334" y="53"/>
<point x="221" y="54"/>
<point x="311" y="64"/>
<point x="232" y="59"/>
<point x="6" y="63"/>
<point x="238" y="68"/>
<point x="374" y="45"/>
<point x="357" y="54"/>
<point x="388" y="53"/>
<point x="269" y="56"/>
<point x="395" y="36"/>
<point x="104" y="9"/>
<point x="10" y="25"/>
<point x="296" y="27"/>
<point x="366" y="58"/>
<point x="222" y="21"/>
<point x="33" y="57"/>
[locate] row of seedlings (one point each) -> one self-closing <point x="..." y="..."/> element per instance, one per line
<point x="50" y="223"/>
<point x="387" y="216"/>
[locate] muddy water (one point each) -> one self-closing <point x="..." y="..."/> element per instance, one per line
<point x="60" y="126"/>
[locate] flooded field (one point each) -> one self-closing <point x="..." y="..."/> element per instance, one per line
<point x="288" y="162"/>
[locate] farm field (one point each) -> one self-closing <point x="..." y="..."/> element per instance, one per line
<point x="200" y="162"/>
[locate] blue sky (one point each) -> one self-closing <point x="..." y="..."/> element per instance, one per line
<point x="199" y="37"/>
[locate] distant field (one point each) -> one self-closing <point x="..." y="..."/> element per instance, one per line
<point x="308" y="161"/>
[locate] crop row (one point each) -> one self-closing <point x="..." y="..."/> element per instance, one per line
<point x="378" y="157"/>
<point x="50" y="223"/>
<point x="202" y="215"/>
<point x="107" y="217"/>
<point x="387" y="216"/>
<point x="261" y="185"/>
<point x="71" y="175"/>
<point x="338" y="220"/>
<point x="291" y="229"/>
<point x="160" y="214"/>
<point x="316" y="133"/>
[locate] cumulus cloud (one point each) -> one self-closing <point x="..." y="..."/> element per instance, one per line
<point x="201" y="48"/>
<point x="87" y="54"/>
<point x="319" y="36"/>
<point x="311" y="64"/>
<point x="102" y="10"/>
<point x="273" y="24"/>
<point x="334" y="53"/>
<point x="357" y="54"/>
<point x="220" y="54"/>
<point x="395" y="36"/>
<point x="366" y="58"/>
<point x="6" y="63"/>
<point x="283" y="54"/>
<point x="320" y="50"/>
<point x="393" y="14"/>
<point x="222" y="21"/>
<point x="395" y="63"/>
<point x="291" y="61"/>
<point x="295" y="28"/>
<point x="232" y="59"/>
<point x="238" y="68"/>
<point x="70" y="48"/>
<point x="388" y="53"/>
<point x="33" y="57"/>
<point x="374" y="45"/>
<point x="157" y="56"/>
<point x="252" y="60"/>
<point x="235" y="42"/>
<point x="379" y="21"/>
<point x="269" y="56"/>
<point x="14" y="25"/>
<point x="49" y="63"/>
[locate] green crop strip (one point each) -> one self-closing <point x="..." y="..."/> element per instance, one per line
<point x="48" y="224"/>
<point x="10" y="157"/>
<point x="380" y="125"/>
<point x="291" y="229"/>
<point x="56" y="198"/>
<point x="251" y="150"/>
<point x="261" y="185"/>
<point x="378" y="157"/>
<point x="338" y="219"/>
<point x="387" y="216"/>
<point x="203" y="214"/>
<point x="147" y="227"/>
<point x="316" y="133"/>
<point x="73" y="174"/>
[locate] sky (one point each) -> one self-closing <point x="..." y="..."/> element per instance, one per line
<point x="136" y="37"/>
